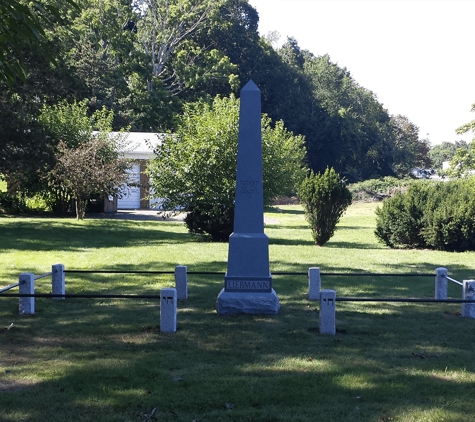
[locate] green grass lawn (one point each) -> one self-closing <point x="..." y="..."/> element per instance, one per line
<point x="106" y="360"/>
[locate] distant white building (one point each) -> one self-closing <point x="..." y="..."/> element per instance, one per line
<point x="136" y="194"/>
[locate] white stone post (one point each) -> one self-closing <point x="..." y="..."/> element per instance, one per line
<point x="27" y="286"/>
<point x="328" y="312"/>
<point x="181" y="282"/>
<point x="314" y="283"/>
<point x="468" y="309"/>
<point x="441" y="283"/>
<point x="58" y="281"/>
<point x="168" y="305"/>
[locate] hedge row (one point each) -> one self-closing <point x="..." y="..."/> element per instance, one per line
<point x="378" y="189"/>
<point x="432" y="215"/>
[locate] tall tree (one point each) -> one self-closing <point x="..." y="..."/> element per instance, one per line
<point x="445" y="152"/>
<point x="165" y="32"/>
<point x="22" y="22"/>
<point x="354" y="136"/>
<point x="405" y="148"/>
<point x="291" y="54"/>
<point x="99" y="48"/>
<point x="71" y="129"/>
<point x="25" y="149"/>
<point x="463" y="162"/>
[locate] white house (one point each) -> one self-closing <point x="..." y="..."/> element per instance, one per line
<point x="136" y="195"/>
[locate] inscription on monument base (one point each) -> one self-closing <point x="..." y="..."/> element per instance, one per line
<point x="245" y="284"/>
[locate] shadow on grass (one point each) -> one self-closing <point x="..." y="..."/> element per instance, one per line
<point x="108" y="361"/>
<point x="70" y="235"/>
<point x="277" y="210"/>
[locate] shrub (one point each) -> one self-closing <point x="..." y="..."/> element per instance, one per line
<point x="325" y="198"/>
<point x="399" y="220"/>
<point x="214" y="221"/>
<point x="378" y="189"/>
<point x="37" y="204"/>
<point x="449" y="221"/>
<point x="435" y="215"/>
<point x="195" y="169"/>
<point x="11" y="204"/>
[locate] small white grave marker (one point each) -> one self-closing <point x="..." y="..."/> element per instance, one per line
<point x="181" y="282"/>
<point x="327" y="312"/>
<point x="468" y="309"/>
<point x="314" y="283"/>
<point x="168" y="305"/>
<point x="441" y="283"/>
<point x="27" y="286"/>
<point x="58" y="281"/>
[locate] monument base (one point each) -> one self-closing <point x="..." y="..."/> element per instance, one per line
<point x="235" y="303"/>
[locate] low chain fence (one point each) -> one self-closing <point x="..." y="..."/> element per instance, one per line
<point x="168" y="297"/>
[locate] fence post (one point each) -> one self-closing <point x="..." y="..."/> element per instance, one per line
<point x="58" y="281"/>
<point x="27" y="286"/>
<point x="441" y="283"/>
<point x="327" y="312"/>
<point x="181" y="282"/>
<point x="168" y="304"/>
<point x="468" y="309"/>
<point x="314" y="283"/>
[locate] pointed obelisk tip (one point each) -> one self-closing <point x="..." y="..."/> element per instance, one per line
<point x="250" y="86"/>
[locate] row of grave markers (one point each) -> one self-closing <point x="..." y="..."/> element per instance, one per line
<point x="327" y="298"/>
<point x="169" y="296"/>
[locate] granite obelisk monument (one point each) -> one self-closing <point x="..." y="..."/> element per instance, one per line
<point x="248" y="282"/>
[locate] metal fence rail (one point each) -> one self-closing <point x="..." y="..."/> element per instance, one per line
<point x="82" y="296"/>
<point x="284" y="273"/>
<point x="43" y="275"/>
<point x="453" y="280"/>
<point x="402" y="300"/>
<point x="145" y="296"/>
<point x="11" y="286"/>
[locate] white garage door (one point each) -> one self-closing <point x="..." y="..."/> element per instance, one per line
<point x="131" y="194"/>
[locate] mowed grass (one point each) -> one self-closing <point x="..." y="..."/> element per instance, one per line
<point x="106" y="360"/>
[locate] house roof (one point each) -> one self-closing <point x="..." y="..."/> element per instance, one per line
<point x="140" y="144"/>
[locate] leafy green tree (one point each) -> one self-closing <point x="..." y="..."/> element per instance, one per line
<point x="71" y="128"/>
<point x="286" y="91"/>
<point x="444" y="152"/>
<point x="22" y="22"/>
<point x="353" y="135"/>
<point x="463" y="162"/>
<point x="232" y="29"/>
<point x="165" y="32"/>
<point x="92" y="168"/>
<point x="325" y="198"/>
<point x="291" y="54"/>
<point x="195" y="168"/>
<point x="409" y="151"/>
<point x="468" y="127"/>
<point x="101" y="51"/>
<point x="25" y="150"/>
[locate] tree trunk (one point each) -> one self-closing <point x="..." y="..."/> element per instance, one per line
<point x="80" y="208"/>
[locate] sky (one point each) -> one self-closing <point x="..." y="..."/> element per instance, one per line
<point x="416" y="56"/>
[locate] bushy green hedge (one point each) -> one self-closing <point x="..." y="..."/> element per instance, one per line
<point x="214" y="221"/>
<point x="433" y="215"/>
<point x="378" y="189"/>
<point x="325" y="198"/>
